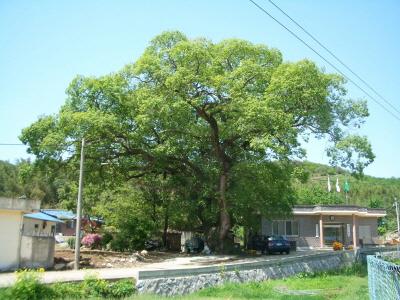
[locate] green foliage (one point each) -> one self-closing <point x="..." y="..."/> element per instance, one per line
<point x="126" y="210"/>
<point x="28" y="286"/>
<point x="68" y="291"/>
<point x="185" y="123"/>
<point x="121" y="288"/>
<point x="9" y="182"/>
<point x="95" y="287"/>
<point x="355" y="269"/>
<point x="107" y="238"/>
<point x="71" y="242"/>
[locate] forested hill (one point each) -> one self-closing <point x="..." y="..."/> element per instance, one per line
<point x="364" y="191"/>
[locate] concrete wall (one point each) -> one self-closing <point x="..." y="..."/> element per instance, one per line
<point x="19" y="204"/>
<point x="37" y="252"/>
<point x="183" y="281"/>
<point x="10" y="224"/>
<point x="43" y="227"/>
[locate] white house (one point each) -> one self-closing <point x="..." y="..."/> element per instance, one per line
<point x="26" y="237"/>
<point x="11" y="222"/>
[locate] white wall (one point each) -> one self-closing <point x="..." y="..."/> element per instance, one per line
<point x="10" y="224"/>
<point x="37" y="251"/>
<point x="29" y="227"/>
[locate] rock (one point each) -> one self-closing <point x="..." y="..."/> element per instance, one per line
<point x="71" y="265"/>
<point x="108" y="265"/>
<point x="139" y="258"/>
<point x="143" y="252"/>
<point x="60" y="266"/>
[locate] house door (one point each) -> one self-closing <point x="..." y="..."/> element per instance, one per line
<point x="333" y="233"/>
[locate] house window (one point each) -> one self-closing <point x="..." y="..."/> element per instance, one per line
<point x="316" y="230"/>
<point x="44" y="224"/>
<point x="70" y="224"/>
<point x="287" y="228"/>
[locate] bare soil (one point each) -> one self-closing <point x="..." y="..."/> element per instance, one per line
<point x="111" y="259"/>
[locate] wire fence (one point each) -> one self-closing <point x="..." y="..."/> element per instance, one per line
<point x="383" y="279"/>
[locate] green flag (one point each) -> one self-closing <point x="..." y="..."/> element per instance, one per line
<point x="346" y="187"/>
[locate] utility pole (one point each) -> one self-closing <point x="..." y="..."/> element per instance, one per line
<point x="79" y="210"/>
<point x="398" y="223"/>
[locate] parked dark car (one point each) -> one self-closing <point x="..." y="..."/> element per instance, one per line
<point x="278" y="243"/>
<point x="258" y="242"/>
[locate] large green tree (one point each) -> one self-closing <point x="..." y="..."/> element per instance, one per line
<point x="212" y="112"/>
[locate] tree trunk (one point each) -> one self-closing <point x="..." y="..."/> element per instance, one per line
<point x="224" y="217"/>
<point x="166" y="219"/>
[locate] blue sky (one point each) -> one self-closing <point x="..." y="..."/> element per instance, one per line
<point x="44" y="44"/>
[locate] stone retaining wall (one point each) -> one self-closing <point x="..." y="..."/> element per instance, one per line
<point x="183" y="281"/>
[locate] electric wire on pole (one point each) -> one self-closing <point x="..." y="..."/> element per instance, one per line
<point x="336" y="57"/>
<point x="324" y="59"/>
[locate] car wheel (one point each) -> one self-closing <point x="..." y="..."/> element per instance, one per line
<point x="288" y="252"/>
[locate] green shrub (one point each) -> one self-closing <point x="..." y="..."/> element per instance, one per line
<point x="71" y="243"/>
<point x="122" y="288"/>
<point x="28" y="286"/>
<point x="131" y="235"/>
<point x="107" y="238"/>
<point x="94" y="287"/>
<point x="68" y="291"/>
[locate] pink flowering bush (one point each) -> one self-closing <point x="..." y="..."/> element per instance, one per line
<point x="92" y="240"/>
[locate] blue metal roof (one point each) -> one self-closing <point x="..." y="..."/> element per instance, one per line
<point x="42" y="216"/>
<point x="60" y="213"/>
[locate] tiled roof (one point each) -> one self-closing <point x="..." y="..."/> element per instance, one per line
<point x="60" y="213"/>
<point x="42" y="216"/>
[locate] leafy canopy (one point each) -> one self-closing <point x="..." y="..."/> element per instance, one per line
<point x="217" y="113"/>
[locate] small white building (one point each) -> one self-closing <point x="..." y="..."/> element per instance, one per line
<point x="26" y="236"/>
<point x="37" y="240"/>
<point x="11" y="221"/>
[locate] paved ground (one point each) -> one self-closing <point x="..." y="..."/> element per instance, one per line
<point x="7" y="279"/>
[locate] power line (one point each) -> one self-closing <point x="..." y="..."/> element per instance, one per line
<point x="337" y="58"/>
<point x="11" y="144"/>
<point x="322" y="57"/>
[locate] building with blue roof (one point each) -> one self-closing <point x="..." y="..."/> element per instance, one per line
<point x="68" y="227"/>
